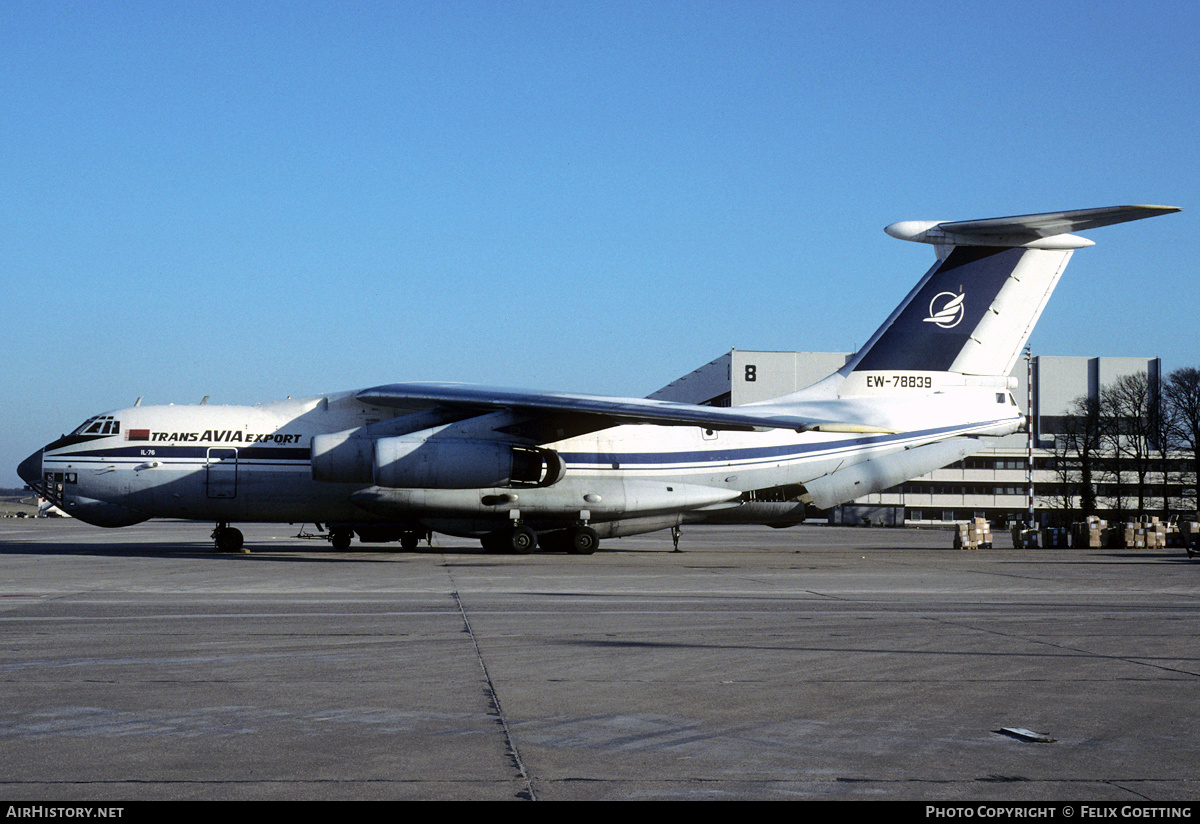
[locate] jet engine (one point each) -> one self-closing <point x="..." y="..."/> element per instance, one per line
<point x="409" y="462"/>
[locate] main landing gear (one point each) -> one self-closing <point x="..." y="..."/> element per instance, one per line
<point x="521" y="540"/>
<point x="227" y="538"/>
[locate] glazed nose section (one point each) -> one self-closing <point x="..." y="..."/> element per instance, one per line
<point x="30" y="469"/>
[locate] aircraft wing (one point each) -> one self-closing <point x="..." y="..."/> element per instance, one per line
<point x="600" y="412"/>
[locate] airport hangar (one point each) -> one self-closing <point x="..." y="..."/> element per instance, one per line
<point x="992" y="484"/>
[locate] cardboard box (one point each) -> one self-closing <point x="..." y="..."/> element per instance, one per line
<point x="973" y="535"/>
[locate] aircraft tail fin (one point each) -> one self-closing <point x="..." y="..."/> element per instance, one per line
<point x="973" y="311"/>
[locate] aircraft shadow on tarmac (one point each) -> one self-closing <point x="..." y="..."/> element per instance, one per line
<point x="312" y="551"/>
<point x="309" y="547"/>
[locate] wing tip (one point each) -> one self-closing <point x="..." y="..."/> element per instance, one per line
<point x="1158" y="210"/>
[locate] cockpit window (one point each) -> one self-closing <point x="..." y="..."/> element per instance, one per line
<point x="99" y="425"/>
<point x="79" y="430"/>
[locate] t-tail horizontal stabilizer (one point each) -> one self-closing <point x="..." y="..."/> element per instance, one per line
<point x="1048" y="230"/>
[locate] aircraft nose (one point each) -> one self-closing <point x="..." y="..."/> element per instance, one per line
<point x="30" y="469"/>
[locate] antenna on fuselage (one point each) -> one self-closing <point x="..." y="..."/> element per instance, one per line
<point x="138" y="402"/>
<point x="204" y="400"/>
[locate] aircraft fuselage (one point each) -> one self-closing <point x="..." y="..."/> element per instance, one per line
<point x="233" y="464"/>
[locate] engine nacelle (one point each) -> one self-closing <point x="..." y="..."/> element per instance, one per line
<point x="409" y="462"/>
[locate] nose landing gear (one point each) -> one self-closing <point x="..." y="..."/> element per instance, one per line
<point x="227" y="538"/>
<point x="341" y="539"/>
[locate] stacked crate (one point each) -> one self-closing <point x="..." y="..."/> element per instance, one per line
<point x="1135" y="535"/>
<point x="1146" y="534"/>
<point x="1157" y="530"/>
<point x="1024" y="538"/>
<point x="1091" y="533"/>
<point x="1055" y="537"/>
<point x="973" y="535"/>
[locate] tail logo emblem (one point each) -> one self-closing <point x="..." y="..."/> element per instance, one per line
<point x="946" y="310"/>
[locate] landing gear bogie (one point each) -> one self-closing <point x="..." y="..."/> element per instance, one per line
<point x="581" y="540"/>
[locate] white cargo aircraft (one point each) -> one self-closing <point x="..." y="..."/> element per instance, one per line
<point x="518" y="469"/>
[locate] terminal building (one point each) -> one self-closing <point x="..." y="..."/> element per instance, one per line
<point x="993" y="484"/>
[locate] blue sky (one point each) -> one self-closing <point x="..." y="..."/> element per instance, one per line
<point x="251" y="200"/>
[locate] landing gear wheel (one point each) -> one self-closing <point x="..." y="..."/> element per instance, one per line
<point x="409" y="541"/>
<point x="340" y="539"/>
<point x="522" y="540"/>
<point x="584" y="541"/>
<point x="227" y="539"/>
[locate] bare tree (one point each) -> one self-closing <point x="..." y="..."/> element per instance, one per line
<point x="1076" y="459"/>
<point x="1085" y="440"/>
<point x="1181" y="400"/>
<point x="1130" y="420"/>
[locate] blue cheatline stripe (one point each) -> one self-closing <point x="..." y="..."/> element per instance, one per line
<point x="267" y="456"/>
<point x="785" y="451"/>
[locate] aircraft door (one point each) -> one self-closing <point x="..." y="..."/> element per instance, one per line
<point x="220" y="479"/>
